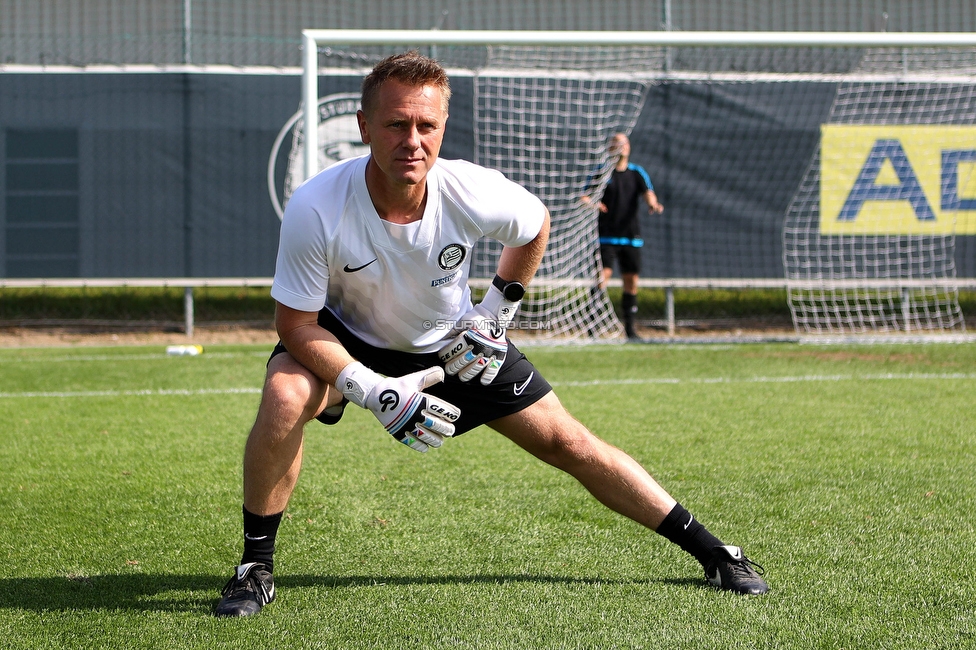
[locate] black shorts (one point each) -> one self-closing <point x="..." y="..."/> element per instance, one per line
<point x="518" y="384"/>
<point x="628" y="258"/>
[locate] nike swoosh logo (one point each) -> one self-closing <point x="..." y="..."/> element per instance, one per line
<point x="520" y="389"/>
<point x="350" y="269"/>
<point x="255" y="539"/>
<point x="691" y="518"/>
<point x="243" y="569"/>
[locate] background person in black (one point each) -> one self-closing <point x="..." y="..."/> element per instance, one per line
<point x="619" y="224"/>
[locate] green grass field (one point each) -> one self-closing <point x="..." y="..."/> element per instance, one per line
<point x="846" y="471"/>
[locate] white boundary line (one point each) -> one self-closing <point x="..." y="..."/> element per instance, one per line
<point x="123" y="357"/>
<point x="180" y="392"/>
<point x="910" y="376"/>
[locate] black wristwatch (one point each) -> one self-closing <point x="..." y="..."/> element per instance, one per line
<point x="513" y="291"/>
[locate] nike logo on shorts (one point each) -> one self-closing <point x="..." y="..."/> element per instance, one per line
<point x="520" y="388"/>
<point x="350" y="269"/>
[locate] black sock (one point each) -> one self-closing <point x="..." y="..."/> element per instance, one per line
<point x="628" y="305"/>
<point x="684" y="530"/>
<point x="259" y="538"/>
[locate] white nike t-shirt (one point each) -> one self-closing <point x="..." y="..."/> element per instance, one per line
<point x="394" y="286"/>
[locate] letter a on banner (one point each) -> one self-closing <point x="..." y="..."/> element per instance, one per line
<point x="867" y="188"/>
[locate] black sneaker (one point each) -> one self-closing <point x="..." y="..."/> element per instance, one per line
<point x="251" y="588"/>
<point x="731" y="569"/>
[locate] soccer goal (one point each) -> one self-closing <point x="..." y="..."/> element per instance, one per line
<point x="864" y="241"/>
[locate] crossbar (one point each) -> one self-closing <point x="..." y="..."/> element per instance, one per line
<point x="636" y="38"/>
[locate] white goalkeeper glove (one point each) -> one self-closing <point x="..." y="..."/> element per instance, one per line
<point x="481" y="346"/>
<point x="416" y="419"/>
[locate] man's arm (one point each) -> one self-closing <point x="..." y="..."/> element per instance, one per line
<point x="311" y="344"/>
<point x="519" y="264"/>
<point x="481" y="347"/>
<point x="653" y="205"/>
<point x="412" y="417"/>
<point x="588" y="200"/>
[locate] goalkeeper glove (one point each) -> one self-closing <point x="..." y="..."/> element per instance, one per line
<point x="481" y="346"/>
<point x="416" y="419"/>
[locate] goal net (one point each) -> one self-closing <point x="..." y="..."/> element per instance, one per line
<point x="869" y="238"/>
<point x="863" y="240"/>
<point x="544" y="117"/>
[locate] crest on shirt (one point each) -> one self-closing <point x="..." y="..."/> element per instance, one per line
<point x="451" y="257"/>
<point x="339" y="138"/>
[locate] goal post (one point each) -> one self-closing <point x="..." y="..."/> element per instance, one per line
<point x="858" y="249"/>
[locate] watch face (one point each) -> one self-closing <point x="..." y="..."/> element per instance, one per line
<point x="514" y="291"/>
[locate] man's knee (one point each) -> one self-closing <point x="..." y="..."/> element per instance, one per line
<point x="573" y="445"/>
<point x="550" y="433"/>
<point x="292" y="393"/>
<point x="565" y="443"/>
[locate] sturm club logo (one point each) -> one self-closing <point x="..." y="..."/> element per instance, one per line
<point x="451" y="257"/>
<point x="339" y="139"/>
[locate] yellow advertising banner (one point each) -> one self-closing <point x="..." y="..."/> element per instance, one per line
<point x="897" y="180"/>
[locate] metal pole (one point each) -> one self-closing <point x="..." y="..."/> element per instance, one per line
<point x="187" y="31"/>
<point x="666" y="16"/>
<point x="906" y="308"/>
<point x="188" y="311"/>
<point x="187" y="179"/>
<point x="669" y="308"/>
<point x="310" y="103"/>
<point x="187" y="223"/>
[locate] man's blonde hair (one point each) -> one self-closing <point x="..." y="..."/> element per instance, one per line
<point x="410" y="68"/>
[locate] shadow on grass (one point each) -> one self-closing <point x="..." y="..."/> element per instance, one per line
<point x="199" y="593"/>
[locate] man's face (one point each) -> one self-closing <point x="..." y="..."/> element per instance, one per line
<point x="405" y="130"/>
<point x="620" y="145"/>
